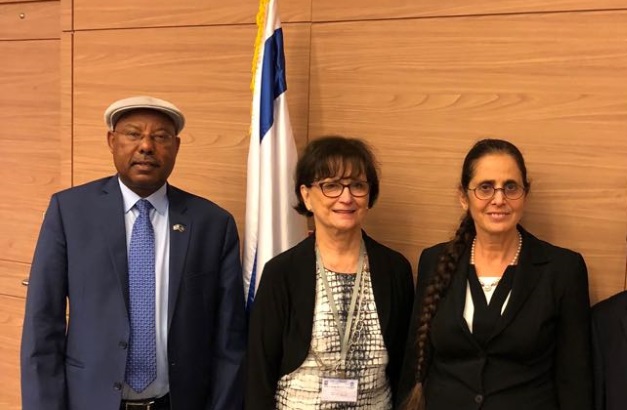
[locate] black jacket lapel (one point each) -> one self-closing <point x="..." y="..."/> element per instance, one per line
<point x="531" y="265"/>
<point x="380" y="287"/>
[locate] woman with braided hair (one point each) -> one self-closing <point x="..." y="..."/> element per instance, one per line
<point x="501" y="318"/>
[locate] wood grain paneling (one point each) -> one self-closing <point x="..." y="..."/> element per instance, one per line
<point x="18" y="1"/>
<point x="67" y="15"/>
<point x="29" y="141"/>
<point x="422" y="91"/>
<point x="23" y="21"/>
<point x="206" y="73"/>
<point x="92" y="14"/>
<point x="11" y="276"/>
<point x="67" y="108"/>
<point x="333" y="10"/>
<point x="11" y="318"/>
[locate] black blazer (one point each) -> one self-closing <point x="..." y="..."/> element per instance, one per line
<point x="539" y="354"/>
<point x="609" y="341"/>
<point x="282" y="317"/>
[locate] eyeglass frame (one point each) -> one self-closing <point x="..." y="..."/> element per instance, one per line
<point x="130" y="136"/>
<point x="344" y="186"/>
<point x="502" y="189"/>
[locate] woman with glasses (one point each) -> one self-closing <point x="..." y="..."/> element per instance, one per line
<point x="501" y="318"/>
<point x="330" y="319"/>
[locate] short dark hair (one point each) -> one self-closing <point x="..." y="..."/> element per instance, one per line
<point x="331" y="156"/>
<point x="490" y="146"/>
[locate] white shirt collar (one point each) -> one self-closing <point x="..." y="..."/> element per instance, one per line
<point x="158" y="199"/>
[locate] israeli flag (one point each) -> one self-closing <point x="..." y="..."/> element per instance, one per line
<point x="272" y="225"/>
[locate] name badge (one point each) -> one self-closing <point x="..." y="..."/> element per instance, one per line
<point x="339" y="390"/>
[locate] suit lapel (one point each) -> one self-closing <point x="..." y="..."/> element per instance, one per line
<point x="531" y="265"/>
<point x="380" y="287"/>
<point x="111" y="213"/>
<point x="303" y="283"/>
<point x="180" y="226"/>
<point x="458" y="294"/>
<point x="623" y="322"/>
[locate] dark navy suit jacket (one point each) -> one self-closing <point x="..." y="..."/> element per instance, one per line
<point x="81" y="258"/>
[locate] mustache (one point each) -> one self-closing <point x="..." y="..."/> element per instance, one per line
<point x="146" y="160"/>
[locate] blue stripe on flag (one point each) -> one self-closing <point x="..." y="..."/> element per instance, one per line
<point x="273" y="81"/>
<point x="251" y="287"/>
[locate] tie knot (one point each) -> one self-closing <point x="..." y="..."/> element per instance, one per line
<point x="143" y="206"/>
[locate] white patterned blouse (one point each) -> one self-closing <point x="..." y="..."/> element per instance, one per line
<point x="366" y="359"/>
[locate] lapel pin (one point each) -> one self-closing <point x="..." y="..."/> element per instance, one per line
<point x="178" y="228"/>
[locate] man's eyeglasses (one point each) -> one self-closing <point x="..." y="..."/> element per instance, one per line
<point x="162" y="138"/>
<point x="334" y="189"/>
<point x="511" y="190"/>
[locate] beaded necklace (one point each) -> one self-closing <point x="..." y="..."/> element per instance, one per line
<point x="488" y="286"/>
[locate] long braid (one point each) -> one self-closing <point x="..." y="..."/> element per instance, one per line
<point x="446" y="267"/>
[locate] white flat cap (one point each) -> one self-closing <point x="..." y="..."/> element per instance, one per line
<point x="116" y="110"/>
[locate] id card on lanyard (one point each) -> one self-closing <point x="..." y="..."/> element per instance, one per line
<point x="339" y="388"/>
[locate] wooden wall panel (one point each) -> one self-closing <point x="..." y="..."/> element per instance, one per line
<point x="29" y="148"/>
<point x="11" y="318"/>
<point x="205" y="71"/>
<point x="94" y="14"/>
<point x="17" y="1"/>
<point x="333" y="10"/>
<point x="29" y="141"/>
<point x="67" y="14"/>
<point x="11" y="276"/>
<point x="422" y="91"/>
<point x="22" y="21"/>
<point x="67" y="108"/>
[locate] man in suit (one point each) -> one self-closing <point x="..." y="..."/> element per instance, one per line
<point x="609" y="342"/>
<point x="152" y="280"/>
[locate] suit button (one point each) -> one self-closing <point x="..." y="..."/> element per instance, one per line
<point x="479" y="398"/>
<point x="172" y="364"/>
<point x="117" y="386"/>
<point x="123" y="344"/>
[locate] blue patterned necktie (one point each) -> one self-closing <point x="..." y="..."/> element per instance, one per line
<point x="141" y="366"/>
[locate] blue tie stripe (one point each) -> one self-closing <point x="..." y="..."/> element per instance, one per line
<point x="141" y="366"/>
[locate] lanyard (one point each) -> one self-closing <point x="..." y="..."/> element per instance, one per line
<point x="344" y="332"/>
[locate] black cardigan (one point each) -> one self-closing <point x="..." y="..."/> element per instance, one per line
<point x="282" y="317"/>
